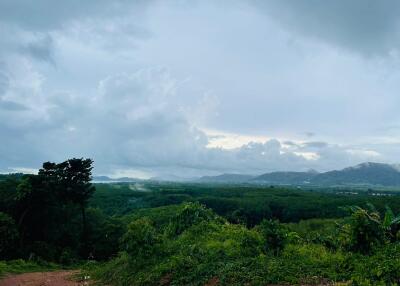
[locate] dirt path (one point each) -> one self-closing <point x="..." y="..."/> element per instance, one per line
<point x="56" y="278"/>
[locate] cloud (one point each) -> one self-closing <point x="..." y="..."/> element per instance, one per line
<point x="133" y="122"/>
<point x="369" y="27"/>
<point x="44" y="15"/>
<point x="4" y="82"/>
<point x="41" y="49"/>
<point x="11" y="106"/>
<point x="149" y="87"/>
<point x="315" y="144"/>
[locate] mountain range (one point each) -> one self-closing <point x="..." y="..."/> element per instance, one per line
<point x="106" y="179"/>
<point x="368" y="173"/>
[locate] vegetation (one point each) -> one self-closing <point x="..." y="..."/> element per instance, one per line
<point x="21" y="266"/>
<point x="152" y="233"/>
<point x="210" y="249"/>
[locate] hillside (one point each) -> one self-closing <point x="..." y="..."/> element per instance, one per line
<point x="286" y="178"/>
<point x="369" y="173"/>
<point x="226" y="178"/>
<point x="364" y="174"/>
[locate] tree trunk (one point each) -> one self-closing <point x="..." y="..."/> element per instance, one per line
<point x="84" y="230"/>
<point x="21" y="228"/>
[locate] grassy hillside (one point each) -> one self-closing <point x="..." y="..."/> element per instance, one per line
<point x="152" y="233"/>
<point x="196" y="247"/>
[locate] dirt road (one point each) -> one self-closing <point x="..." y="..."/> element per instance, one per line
<point x="56" y="278"/>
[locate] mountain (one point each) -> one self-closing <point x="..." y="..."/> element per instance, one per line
<point x="363" y="174"/>
<point x="105" y="179"/>
<point x="286" y="178"/>
<point x="171" y="178"/>
<point x="368" y="173"/>
<point x="226" y="178"/>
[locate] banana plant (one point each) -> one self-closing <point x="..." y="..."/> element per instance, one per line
<point x="391" y="223"/>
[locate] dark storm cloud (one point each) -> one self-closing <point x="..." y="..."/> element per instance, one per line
<point x="41" y="49"/>
<point x="11" y="106"/>
<point x="50" y="15"/>
<point x="367" y="26"/>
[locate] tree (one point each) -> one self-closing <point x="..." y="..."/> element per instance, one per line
<point x="71" y="180"/>
<point x="8" y="236"/>
<point x="37" y="206"/>
<point x="104" y="233"/>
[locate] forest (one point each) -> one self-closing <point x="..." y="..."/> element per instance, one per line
<point x="164" y="233"/>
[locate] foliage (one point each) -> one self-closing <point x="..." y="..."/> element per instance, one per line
<point x="22" y="266"/>
<point x="248" y="204"/>
<point x="140" y="239"/>
<point x="391" y="224"/>
<point x="49" y="210"/>
<point x="367" y="229"/>
<point x="381" y="268"/>
<point x="275" y="235"/>
<point x="190" y="214"/>
<point x="208" y="249"/>
<point x="104" y="233"/>
<point x="196" y="234"/>
<point x="8" y="236"/>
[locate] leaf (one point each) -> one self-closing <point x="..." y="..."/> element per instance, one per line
<point x="371" y="208"/>
<point x="388" y="219"/>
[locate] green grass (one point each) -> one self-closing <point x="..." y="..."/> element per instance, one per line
<point x="23" y="266"/>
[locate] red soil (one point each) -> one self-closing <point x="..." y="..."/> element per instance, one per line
<point x="56" y="278"/>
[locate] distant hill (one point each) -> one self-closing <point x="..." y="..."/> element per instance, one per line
<point x="171" y="178"/>
<point x="97" y="179"/>
<point x="377" y="174"/>
<point x="4" y="177"/>
<point x="226" y="178"/>
<point x="364" y="174"/>
<point x="286" y="178"/>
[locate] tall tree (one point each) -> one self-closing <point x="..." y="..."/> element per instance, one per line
<point x="71" y="179"/>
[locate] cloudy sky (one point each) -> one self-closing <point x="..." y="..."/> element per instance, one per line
<point x="188" y="88"/>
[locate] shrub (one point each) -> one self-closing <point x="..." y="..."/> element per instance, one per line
<point x="381" y="268"/>
<point x="190" y="214"/>
<point x="364" y="230"/>
<point x="275" y="235"/>
<point x="140" y="239"/>
<point x="68" y="257"/>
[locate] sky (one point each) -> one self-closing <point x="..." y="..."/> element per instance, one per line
<point x="189" y="88"/>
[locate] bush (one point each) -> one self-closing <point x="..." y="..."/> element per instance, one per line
<point x="68" y="257"/>
<point x="190" y="214"/>
<point x="140" y="239"/>
<point x="363" y="231"/>
<point x="274" y="234"/>
<point x="381" y="268"/>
